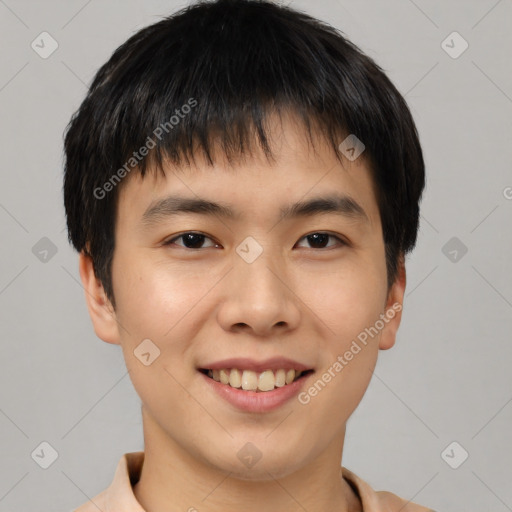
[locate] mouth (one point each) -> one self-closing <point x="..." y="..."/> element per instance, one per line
<point x="259" y="382"/>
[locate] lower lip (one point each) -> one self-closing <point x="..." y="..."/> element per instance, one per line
<point x="251" y="401"/>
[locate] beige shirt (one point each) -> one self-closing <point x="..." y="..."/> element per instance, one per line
<point x="119" y="496"/>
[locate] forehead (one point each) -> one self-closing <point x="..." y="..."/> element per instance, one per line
<point x="254" y="186"/>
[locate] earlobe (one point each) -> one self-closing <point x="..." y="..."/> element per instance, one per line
<point x="394" y="306"/>
<point x="100" y="309"/>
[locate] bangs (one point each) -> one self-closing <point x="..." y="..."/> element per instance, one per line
<point x="219" y="86"/>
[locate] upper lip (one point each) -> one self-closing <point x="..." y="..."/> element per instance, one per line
<point x="245" y="363"/>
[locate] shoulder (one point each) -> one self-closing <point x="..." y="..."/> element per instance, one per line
<point x="393" y="503"/>
<point x="380" y="501"/>
<point x="93" y="505"/>
<point x="119" y="494"/>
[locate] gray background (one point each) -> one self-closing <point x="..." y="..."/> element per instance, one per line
<point x="447" y="379"/>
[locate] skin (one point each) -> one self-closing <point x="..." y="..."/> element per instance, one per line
<point x="299" y="300"/>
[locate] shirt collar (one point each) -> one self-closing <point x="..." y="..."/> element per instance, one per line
<point x="120" y="495"/>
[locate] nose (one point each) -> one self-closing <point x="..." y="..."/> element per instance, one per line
<point x="259" y="298"/>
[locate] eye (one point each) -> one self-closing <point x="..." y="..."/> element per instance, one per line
<point x="320" y="240"/>
<point x="191" y="240"/>
<point x="195" y="240"/>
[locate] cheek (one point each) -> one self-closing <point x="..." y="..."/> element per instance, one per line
<point x="156" y="303"/>
<point x="154" y="298"/>
<point x="347" y="300"/>
<point x="349" y="350"/>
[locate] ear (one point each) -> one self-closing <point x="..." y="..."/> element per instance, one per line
<point x="394" y="306"/>
<point x="100" y="309"/>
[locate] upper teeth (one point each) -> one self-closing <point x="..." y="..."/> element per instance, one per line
<point x="252" y="381"/>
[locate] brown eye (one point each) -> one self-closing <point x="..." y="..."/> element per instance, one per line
<point x="321" y="240"/>
<point x="191" y="240"/>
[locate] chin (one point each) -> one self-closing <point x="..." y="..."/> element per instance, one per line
<point x="252" y="464"/>
<point x="262" y="472"/>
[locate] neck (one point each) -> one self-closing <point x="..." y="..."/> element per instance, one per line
<point x="173" y="480"/>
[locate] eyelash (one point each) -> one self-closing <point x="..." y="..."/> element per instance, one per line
<point x="172" y="240"/>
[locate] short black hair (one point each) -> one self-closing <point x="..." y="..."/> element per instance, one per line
<point x="209" y="76"/>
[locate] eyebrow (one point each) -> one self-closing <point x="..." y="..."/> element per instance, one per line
<point x="175" y="205"/>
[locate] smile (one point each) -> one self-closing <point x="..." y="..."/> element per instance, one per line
<point x="249" y="380"/>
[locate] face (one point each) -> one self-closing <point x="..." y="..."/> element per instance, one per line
<point x="274" y="286"/>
